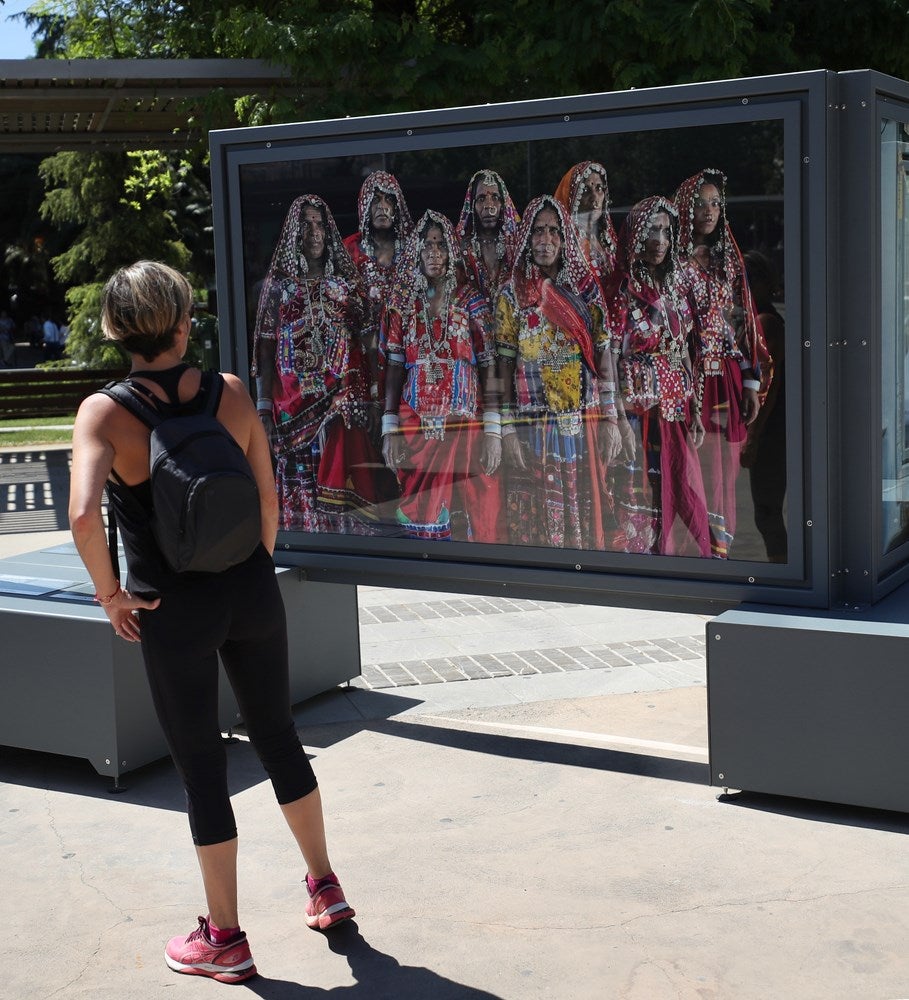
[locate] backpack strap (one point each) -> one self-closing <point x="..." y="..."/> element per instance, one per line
<point x="128" y="396"/>
<point x="212" y="384"/>
<point x="112" y="532"/>
<point x="136" y="398"/>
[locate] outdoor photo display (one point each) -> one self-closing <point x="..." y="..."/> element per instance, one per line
<point x="573" y="344"/>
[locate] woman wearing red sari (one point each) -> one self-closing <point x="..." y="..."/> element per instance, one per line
<point x="487" y="229"/>
<point x="659" y="496"/>
<point x="584" y="192"/>
<point x="442" y="426"/>
<point x="730" y="353"/>
<point x="561" y="426"/>
<point x="385" y="224"/>
<point x="311" y="378"/>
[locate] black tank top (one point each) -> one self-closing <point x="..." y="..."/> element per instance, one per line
<point x="148" y="575"/>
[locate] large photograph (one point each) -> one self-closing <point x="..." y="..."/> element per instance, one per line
<point x="573" y="344"/>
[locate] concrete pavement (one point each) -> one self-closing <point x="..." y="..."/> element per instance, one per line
<point x="545" y="831"/>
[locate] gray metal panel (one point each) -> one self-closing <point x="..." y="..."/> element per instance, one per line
<point x="65" y="691"/>
<point x="616" y="101"/>
<point x="323" y="632"/>
<point x="809" y="707"/>
<point x="71" y="687"/>
<point x="856" y="396"/>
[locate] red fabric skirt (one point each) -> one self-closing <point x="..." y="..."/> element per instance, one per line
<point x="721" y="453"/>
<point x="445" y="494"/>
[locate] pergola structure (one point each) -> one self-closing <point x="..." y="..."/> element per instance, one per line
<point x="47" y="105"/>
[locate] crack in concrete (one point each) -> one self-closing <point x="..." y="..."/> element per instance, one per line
<point x="83" y="879"/>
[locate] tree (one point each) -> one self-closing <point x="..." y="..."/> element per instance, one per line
<point x="352" y="57"/>
<point x="123" y="204"/>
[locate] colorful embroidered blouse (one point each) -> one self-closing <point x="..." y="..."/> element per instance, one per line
<point x="441" y="354"/>
<point x="317" y="321"/>
<point x="649" y="325"/>
<point x="313" y="321"/>
<point x="551" y="329"/>
<point x="550" y="373"/>
<point x="723" y="312"/>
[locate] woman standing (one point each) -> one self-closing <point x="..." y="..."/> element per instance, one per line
<point x="487" y="229"/>
<point x="659" y="497"/>
<point x="185" y="620"/>
<point x="312" y="378"/>
<point x="730" y="353"/>
<point x="440" y="380"/>
<point x="584" y="192"/>
<point x="376" y="248"/>
<point x="561" y="425"/>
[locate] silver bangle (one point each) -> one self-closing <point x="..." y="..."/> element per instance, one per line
<point x="751" y="383"/>
<point x="390" y="423"/>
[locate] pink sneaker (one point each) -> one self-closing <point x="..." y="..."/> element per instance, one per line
<point x="198" y="955"/>
<point x="327" y="905"/>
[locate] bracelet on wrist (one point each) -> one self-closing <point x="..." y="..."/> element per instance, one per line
<point x="751" y="383"/>
<point x="508" y="429"/>
<point x="492" y="423"/>
<point x="105" y="601"/>
<point x="390" y="423"/>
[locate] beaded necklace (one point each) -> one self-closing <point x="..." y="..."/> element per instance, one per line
<point x="428" y="345"/>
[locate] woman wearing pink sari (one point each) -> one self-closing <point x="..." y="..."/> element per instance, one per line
<point x="311" y="378"/>
<point x="730" y="353"/>
<point x="659" y="496"/>
<point x="441" y="430"/>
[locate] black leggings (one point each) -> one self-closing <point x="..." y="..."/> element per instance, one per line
<point x="240" y="614"/>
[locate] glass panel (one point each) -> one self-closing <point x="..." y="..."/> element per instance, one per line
<point x="526" y="343"/>
<point x="895" y="332"/>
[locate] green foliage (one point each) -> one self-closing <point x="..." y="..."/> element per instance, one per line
<point x="124" y="206"/>
<point x="353" y="57"/>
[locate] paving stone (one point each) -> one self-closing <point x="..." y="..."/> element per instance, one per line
<point x="447" y="670"/>
<point x="470" y="668"/>
<point x="397" y="674"/>
<point x="384" y="614"/>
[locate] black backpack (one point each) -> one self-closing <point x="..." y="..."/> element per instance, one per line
<point x="205" y="501"/>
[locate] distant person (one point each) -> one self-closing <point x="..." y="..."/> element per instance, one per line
<point x="185" y="620"/>
<point x="53" y="347"/>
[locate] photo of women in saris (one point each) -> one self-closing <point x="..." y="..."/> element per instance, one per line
<point x="730" y="354"/>
<point x="584" y="192"/>
<point x="659" y="496"/>
<point x="560" y="420"/>
<point x="311" y="377"/>
<point x="442" y="425"/>
<point x="487" y="230"/>
<point x="376" y="247"/>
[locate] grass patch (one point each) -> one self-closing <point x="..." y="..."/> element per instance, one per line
<point x="27" y="433"/>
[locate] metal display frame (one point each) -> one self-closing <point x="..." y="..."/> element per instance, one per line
<point x="869" y="574"/>
<point x="805" y="103"/>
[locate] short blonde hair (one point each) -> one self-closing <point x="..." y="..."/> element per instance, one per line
<point x="142" y="306"/>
